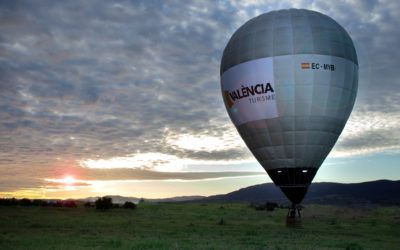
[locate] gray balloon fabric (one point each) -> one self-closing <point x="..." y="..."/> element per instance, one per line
<point x="288" y="32"/>
<point x="289" y="80"/>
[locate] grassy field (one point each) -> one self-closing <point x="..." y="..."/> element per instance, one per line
<point x="197" y="226"/>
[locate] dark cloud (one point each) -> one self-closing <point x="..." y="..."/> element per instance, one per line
<point x="113" y="74"/>
<point x="140" y="174"/>
<point x="96" y="80"/>
<point x="53" y="178"/>
<point x="371" y="139"/>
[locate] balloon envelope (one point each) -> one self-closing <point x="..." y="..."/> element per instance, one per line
<point x="289" y="81"/>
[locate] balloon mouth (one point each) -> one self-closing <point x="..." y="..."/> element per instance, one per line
<point x="295" y="194"/>
<point x="293" y="182"/>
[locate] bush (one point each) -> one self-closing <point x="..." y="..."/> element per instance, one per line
<point x="57" y="204"/>
<point x="270" y="206"/>
<point x="89" y="204"/>
<point x="38" y="203"/>
<point x="69" y="203"/>
<point x="103" y="203"/>
<point x="9" y="202"/>
<point x="221" y="222"/>
<point x="129" y="205"/>
<point x="25" y="202"/>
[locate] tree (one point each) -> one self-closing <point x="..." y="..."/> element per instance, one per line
<point x="129" y="205"/>
<point x="70" y="204"/>
<point x="25" y="202"/>
<point x="9" y="202"/>
<point x="38" y="202"/>
<point x="89" y="204"/>
<point x="104" y="203"/>
<point x="270" y="206"/>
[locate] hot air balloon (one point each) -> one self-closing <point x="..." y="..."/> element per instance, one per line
<point x="289" y="81"/>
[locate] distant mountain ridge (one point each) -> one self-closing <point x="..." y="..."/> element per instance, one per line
<point x="383" y="192"/>
<point x="377" y="192"/>
<point x="122" y="199"/>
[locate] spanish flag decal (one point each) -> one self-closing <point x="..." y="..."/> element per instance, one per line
<point x="228" y="99"/>
<point x="305" y="65"/>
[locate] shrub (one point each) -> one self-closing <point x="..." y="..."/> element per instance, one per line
<point x="104" y="203"/>
<point x="69" y="203"/>
<point x="57" y="204"/>
<point x="270" y="206"/>
<point x="38" y="202"/>
<point x="8" y="202"/>
<point x="25" y="202"/>
<point x="89" y="204"/>
<point x="129" y="205"/>
<point x="221" y="222"/>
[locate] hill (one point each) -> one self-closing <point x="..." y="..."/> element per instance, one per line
<point x="121" y="199"/>
<point x="383" y="192"/>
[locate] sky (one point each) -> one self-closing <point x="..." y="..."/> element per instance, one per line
<point x="123" y="97"/>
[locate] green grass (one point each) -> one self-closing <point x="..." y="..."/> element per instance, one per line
<point x="197" y="226"/>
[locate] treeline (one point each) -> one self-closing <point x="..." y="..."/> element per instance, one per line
<point x="105" y="203"/>
<point x="37" y="202"/>
<point x="102" y="203"/>
<point x="268" y="206"/>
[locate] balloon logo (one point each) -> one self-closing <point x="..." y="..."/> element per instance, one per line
<point x="228" y="100"/>
<point x="292" y="77"/>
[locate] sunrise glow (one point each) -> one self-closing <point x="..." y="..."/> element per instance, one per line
<point x="68" y="180"/>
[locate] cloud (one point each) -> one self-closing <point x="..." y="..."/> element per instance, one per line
<point x="56" y="179"/>
<point x="89" y="81"/>
<point x="158" y="162"/>
<point x="369" y="132"/>
<point x="107" y="80"/>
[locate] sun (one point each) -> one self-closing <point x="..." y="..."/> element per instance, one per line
<point x="68" y="180"/>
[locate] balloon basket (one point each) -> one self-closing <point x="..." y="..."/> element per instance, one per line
<point x="294" y="222"/>
<point x="293" y="218"/>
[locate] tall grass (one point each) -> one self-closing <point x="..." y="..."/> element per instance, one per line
<point x="197" y="226"/>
